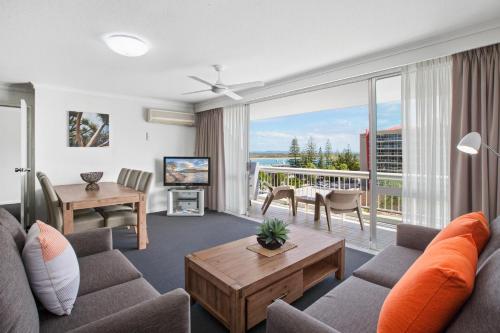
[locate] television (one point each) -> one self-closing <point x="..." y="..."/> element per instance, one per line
<point x="186" y="171"/>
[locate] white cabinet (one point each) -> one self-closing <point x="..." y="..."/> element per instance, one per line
<point x="186" y="202"/>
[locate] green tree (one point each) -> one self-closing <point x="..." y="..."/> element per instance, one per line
<point x="346" y="160"/>
<point x="310" y="165"/>
<point x="321" y="159"/>
<point x="294" y="153"/>
<point x="328" y="154"/>
<point x="341" y="166"/>
<point x="309" y="155"/>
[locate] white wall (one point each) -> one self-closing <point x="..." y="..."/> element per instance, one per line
<point x="128" y="145"/>
<point x="10" y="152"/>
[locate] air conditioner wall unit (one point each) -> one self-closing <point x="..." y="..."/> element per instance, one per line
<point x="170" y="117"/>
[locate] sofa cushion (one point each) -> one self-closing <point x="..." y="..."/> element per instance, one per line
<point x="474" y="223"/>
<point x="481" y="312"/>
<point x="97" y="305"/>
<point x="388" y="266"/>
<point x="433" y="289"/>
<point x="493" y="243"/>
<point x="353" y="306"/>
<point x="104" y="270"/>
<point x="52" y="268"/>
<point x="9" y="222"/>
<point x="18" y="312"/>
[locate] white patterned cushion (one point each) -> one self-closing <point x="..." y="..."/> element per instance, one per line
<point x="52" y="268"/>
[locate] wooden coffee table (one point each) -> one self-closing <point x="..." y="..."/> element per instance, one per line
<point x="236" y="285"/>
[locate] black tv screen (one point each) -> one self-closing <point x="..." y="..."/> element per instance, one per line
<point x="187" y="171"/>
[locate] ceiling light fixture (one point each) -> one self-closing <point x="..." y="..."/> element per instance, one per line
<point x="126" y="45"/>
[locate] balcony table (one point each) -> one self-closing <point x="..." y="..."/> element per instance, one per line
<point x="75" y="196"/>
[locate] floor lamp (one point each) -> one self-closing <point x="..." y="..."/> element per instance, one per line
<point x="471" y="143"/>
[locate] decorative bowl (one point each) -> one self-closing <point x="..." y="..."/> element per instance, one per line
<point x="91" y="178"/>
<point x="271" y="246"/>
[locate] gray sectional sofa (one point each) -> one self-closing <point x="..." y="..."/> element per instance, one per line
<point x="113" y="295"/>
<point x="354" y="306"/>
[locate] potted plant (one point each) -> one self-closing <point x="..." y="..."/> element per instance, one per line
<point x="272" y="234"/>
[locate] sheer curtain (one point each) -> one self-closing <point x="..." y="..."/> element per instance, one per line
<point x="236" y="120"/>
<point x="426" y="109"/>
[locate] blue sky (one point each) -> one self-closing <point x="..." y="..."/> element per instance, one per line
<point x="341" y="126"/>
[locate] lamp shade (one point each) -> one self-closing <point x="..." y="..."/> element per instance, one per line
<point x="470" y="143"/>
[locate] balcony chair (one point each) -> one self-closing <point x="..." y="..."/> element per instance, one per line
<point x="253" y="181"/>
<point x="84" y="219"/>
<point x="277" y="193"/>
<point x="340" y="202"/>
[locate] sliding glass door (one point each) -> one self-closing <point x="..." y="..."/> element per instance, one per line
<point x="342" y="137"/>
<point x="386" y="159"/>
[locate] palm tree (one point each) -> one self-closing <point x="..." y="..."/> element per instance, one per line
<point x="85" y="133"/>
<point x="97" y="132"/>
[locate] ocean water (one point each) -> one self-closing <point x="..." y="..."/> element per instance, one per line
<point x="270" y="161"/>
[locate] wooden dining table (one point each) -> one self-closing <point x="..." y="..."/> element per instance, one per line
<point x="75" y="196"/>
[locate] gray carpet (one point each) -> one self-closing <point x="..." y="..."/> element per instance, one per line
<point x="171" y="238"/>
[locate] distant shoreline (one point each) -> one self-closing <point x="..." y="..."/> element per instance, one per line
<point x="270" y="157"/>
<point x="277" y="155"/>
<point x="286" y="156"/>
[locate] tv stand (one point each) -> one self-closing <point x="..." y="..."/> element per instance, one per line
<point x="186" y="202"/>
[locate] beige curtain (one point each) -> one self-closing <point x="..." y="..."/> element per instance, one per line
<point x="210" y="142"/>
<point x="475" y="181"/>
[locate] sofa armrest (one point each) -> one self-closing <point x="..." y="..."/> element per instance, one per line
<point x="167" y="313"/>
<point x="91" y="242"/>
<point x="415" y="236"/>
<point x="284" y="318"/>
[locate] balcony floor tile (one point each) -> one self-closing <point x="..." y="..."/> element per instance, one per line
<point x="348" y="228"/>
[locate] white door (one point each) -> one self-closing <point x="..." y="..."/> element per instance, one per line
<point x="13" y="155"/>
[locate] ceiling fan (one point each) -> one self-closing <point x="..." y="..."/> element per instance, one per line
<point x="220" y="88"/>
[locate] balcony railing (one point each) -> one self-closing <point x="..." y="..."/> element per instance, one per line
<point x="307" y="182"/>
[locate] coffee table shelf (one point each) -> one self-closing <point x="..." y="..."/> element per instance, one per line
<point x="317" y="272"/>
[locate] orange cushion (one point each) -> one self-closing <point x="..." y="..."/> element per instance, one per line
<point x="474" y="223"/>
<point x="433" y="289"/>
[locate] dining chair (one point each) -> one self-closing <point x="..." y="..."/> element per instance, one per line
<point x="340" y="202"/>
<point x="123" y="176"/>
<point x="133" y="178"/>
<point x="129" y="178"/>
<point x="76" y="212"/>
<point x="128" y="217"/>
<point x="83" y="220"/>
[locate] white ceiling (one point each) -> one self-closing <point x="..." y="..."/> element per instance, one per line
<point x="59" y="42"/>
